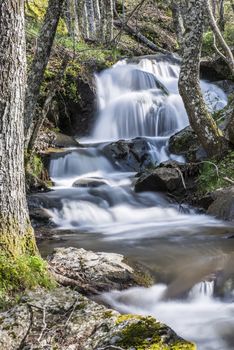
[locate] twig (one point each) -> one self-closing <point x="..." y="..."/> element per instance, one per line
<point x="44" y="325"/>
<point x="228" y="180"/>
<point x="182" y="177"/>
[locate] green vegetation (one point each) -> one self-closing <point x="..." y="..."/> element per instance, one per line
<point x="20" y="273"/>
<point x="148" y="334"/>
<point x="214" y="174"/>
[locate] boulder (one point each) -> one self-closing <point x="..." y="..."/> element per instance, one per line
<point x="185" y="143"/>
<point x="131" y="155"/>
<point x="63" y="319"/>
<point x="167" y="177"/>
<point x="64" y="141"/>
<point x="98" y="271"/>
<point x="223" y="204"/>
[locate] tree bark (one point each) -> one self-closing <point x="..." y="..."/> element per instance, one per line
<point x="41" y="57"/>
<point x="201" y="121"/>
<point x="16" y="233"/>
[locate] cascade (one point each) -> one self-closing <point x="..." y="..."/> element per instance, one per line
<point x="95" y="200"/>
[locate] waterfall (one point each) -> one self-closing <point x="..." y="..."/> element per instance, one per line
<point x="143" y="100"/>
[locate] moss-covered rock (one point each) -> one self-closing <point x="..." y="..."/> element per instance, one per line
<point x="64" y="319"/>
<point x="185" y="143"/>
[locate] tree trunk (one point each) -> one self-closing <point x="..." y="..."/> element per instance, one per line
<point x="177" y="21"/>
<point x="229" y="56"/>
<point x="201" y="121"/>
<point x="16" y="233"/>
<point x="221" y="15"/>
<point x="41" y="57"/>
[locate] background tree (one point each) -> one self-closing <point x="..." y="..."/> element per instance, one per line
<point x="39" y="63"/>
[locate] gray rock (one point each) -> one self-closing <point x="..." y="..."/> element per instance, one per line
<point x="64" y="141"/>
<point x="223" y="205"/>
<point x="165" y="178"/>
<point x="100" y="271"/>
<point x="63" y="319"/>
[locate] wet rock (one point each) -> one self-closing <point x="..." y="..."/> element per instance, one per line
<point x="185" y="143"/>
<point x="100" y="271"/>
<point x="89" y="182"/>
<point x="223" y="204"/>
<point x="39" y="217"/>
<point x="63" y="319"/>
<point x="214" y="68"/>
<point x="167" y="177"/>
<point x="64" y="141"/>
<point x="131" y="155"/>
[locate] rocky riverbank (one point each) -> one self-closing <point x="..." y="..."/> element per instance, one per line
<point x="63" y="318"/>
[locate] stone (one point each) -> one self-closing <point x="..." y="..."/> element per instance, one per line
<point x="63" y="319"/>
<point x="64" y="141"/>
<point x="133" y="155"/>
<point x="185" y="143"/>
<point x="223" y="204"/>
<point x="101" y="271"/>
<point x="165" y="178"/>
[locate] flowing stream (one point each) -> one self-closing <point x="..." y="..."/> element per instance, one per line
<point x="95" y="207"/>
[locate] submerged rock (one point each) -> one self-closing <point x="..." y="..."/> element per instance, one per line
<point x="99" y="271"/>
<point x="63" y="319"/>
<point x="223" y="204"/>
<point x="131" y="155"/>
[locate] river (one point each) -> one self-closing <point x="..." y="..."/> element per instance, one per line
<point x="190" y="254"/>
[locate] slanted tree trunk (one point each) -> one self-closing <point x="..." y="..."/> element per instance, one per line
<point x="16" y="233"/>
<point x="200" y="119"/>
<point x="41" y="57"/>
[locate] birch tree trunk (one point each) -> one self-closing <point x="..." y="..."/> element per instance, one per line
<point x="200" y="119"/>
<point x="16" y="233"/>
<point x="41" y="57"/>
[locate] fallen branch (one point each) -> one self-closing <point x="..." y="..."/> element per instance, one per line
<point x="228" y="180"/>
<point x="127" y="28"/>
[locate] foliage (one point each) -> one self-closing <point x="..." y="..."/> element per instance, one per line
<point x="20" y="273"/>
<point x="212" y="174"/>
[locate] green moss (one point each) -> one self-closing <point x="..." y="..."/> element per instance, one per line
<point x="22" y="272"/>
<point x="147" y="334"/>
<point x="213" y="173"/>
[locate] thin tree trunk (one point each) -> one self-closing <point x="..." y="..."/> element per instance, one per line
<point x="178" y="21"/>
<point x="16" y="233"/>
<point x="218" y="34"/>
<point x="41" y="57"/>
<point x="47" y="103"/>
<point x="221" y="15"/>
<point x="91" y="19"/>
<point x="201" y="121"/>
